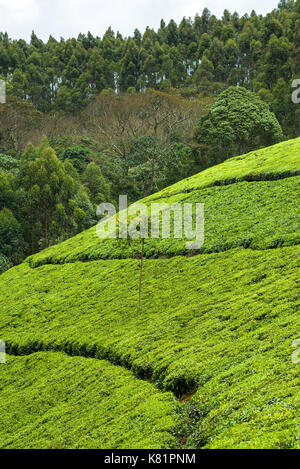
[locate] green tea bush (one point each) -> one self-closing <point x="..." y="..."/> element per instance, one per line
<point x="202" y="317"/>
<point x="218" y="326"/>
<point x="4" y="263"/>
<point x="257" y="215"/>
<point x="64" y="403"/>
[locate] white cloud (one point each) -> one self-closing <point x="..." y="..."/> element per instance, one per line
<point x="70" y="17"/>
<point x="18" y="12"/>
<point x="190" y="8"/>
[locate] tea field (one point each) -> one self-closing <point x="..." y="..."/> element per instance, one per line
<point x="206" y="363"/>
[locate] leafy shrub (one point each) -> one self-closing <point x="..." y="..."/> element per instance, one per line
<point x="4" y="263"/>
<point x="78" y="155"/>
<point x="8" y="164"/>
<point x="11" y="238"/>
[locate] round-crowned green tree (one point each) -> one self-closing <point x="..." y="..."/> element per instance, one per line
<point x="50" y="212"/>
<point x="238" y="122"/>
<point x="78" y="155"/>
<point x="95" y="183"/>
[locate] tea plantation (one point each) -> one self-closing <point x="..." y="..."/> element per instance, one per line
<point x="87" y="369"/>
<point x="65" y="402"/>
<point x="256" y="206"/>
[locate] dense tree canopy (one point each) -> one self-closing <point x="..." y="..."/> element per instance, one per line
<point x="238" y="122"/>
<point x="204" y="54"/>
<point x="44" y="201"/>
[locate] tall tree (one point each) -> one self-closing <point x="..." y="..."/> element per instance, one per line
<point x="238" y="122"/>
<point x="49" y="191"/>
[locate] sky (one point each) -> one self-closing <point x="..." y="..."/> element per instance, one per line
<point x="67" y="18"/>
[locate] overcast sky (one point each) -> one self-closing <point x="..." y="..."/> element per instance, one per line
<point x="67" y="18"/>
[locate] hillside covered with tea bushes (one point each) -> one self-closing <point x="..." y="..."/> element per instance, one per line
<point x="250" y="201"/>
<point x="77" y="402"/>
<point x="206" y="363"/>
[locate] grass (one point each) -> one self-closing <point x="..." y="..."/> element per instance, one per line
<point x="219" y="325"/>
<point x="62" y="402"/>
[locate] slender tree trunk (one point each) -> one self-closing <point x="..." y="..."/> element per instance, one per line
<point x="45" y="232"/>
<point x="141" y="276"/>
